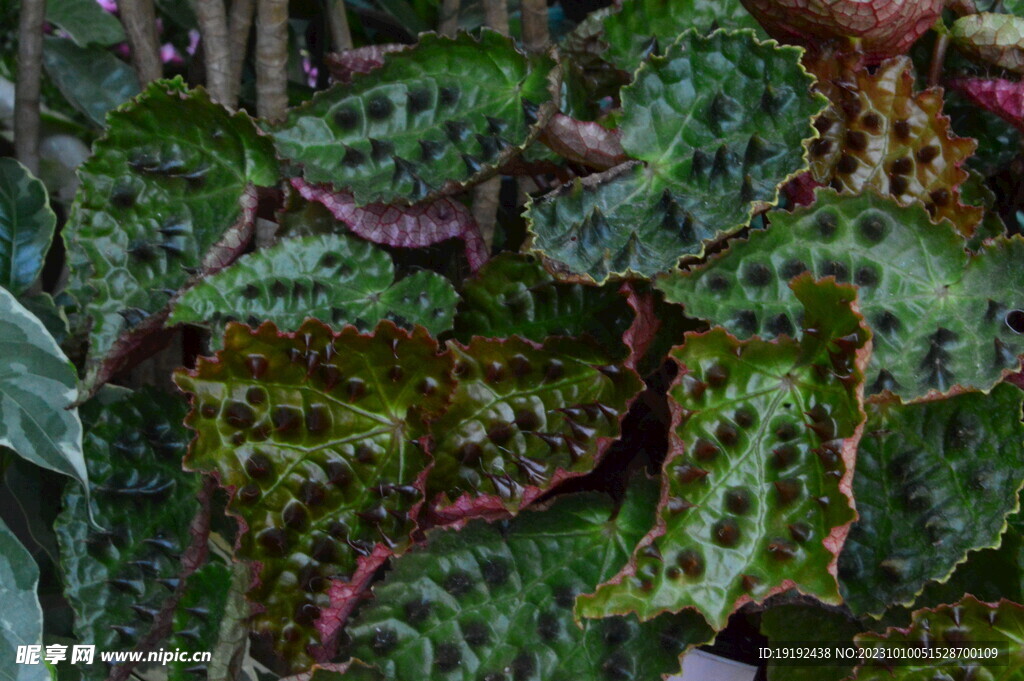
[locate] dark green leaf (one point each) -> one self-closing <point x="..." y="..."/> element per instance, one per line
<point x="85" y="21"/>
<point x="92" y="79"/>
<point x="490" y="602"/>
<point x="934" y="481"/>
<point x="26" y="226"/>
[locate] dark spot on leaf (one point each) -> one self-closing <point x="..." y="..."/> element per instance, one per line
<point x="757" y="274"/>
<point x="417" y="611"/>
<point x="548" y="626"/>
<point x="458" y="583"/>
<point x="383" y="641"/>
<point x="737" y="501"/>
<point x="447" y="657"/>
<point x="449" y="94"/>
<point x="346" y="118"/>
<point x="495" y="571"/>
<point x="780" y="325"/>
<point x="866" y="276"/>
<point x="523" y="666"/>
<point x="872" y="121"/>
<point x="902" y="166"/>
<point x="793" y="268"/>
<point x="718" y="283"/>
<point x="418" y="100"/>
<point x="746" y="322"/>
<point x="928" y="154"/>
<point x="476" y="634"/>
<point x="726" y="532"/>
<point x="1015" y="320"/>
<point x="847" y="164"/>
<point x="832" y="268"/>
<point x="380" y="107"/>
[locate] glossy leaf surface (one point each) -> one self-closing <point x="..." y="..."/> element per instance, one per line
<point x="720" y="122"/>
<point x="513" y="295"/>
<point x="800" y="623"/>
<point x="314" y="433"/>
<point x="497" y="602"/>
<point x="337" y="279"/>
<point x="171" y="178"/>
<point x="756" y="489"/>
<point x="37" y="387"/>
<point x="92" y="79"/>
<point x="934" y="481"/>
<point x="523" y="418"/>
<point x="959" y="624"/>
<point x="941" y="317"/>
<point x="430" y="120"/>
<point x="26" y="226"/>
<point x="118" y="577"/>
<point x="21" y="621"/>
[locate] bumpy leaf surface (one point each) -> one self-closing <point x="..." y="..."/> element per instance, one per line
<point x="173" y="174"/>
<point x="26" y="226"/>
<point x="197" y="619"/>
<point x="433" y="118"/>
<point x="1002" y="97"/>
<point x="314" y="433"/>
<point x="934" y="481"/>
<point x="21" y="622"/>
<point x="513" y="295"/>
<point x="941" y="317"/>
<point x="337" y="279"/>
<point x="720" y="122"/>
<point x="958" y="625"/>
<point x="640" y="28"/>
<point x="995" y="38"/>
<point x="586" y="142"/>
<point x="37" y="387"/>
<point x="495" y="602"/>
<point x="881" y="28"/>
<point x="523" y="418"/>
<point x="801" y="623"/>
<point x="756" y="488"/>
<point x="879" y="133"/>
<point x="117" y="578"/>
<point x="422" y="224"/>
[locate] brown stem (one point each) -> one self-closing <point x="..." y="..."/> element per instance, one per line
<point x="449" y="24"/>
<point x="213" y="27"/>
<point x="139" y="20"/>
<point x="337" y="17"/>
<point x="272" y="59"/>
<point x="535" y="25"/>
<point x="26" y="96"/>
<point x="938" y="59"/>
<point x="496" y="15"/>
<point x="239" y="25"/>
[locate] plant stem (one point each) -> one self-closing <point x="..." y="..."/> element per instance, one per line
<point x="938" y="58"/>
<point x="213" y="26"/>
<point x="139" y="20"/>
<point x="337" y="17"/>
<point x="535" y="25"/>
<point x="496" y="15"/>
<point x="272" y="59"/>
<point x="449" y="24"/>
<point x="26" y="96"/>
<point x="239" y="26"/>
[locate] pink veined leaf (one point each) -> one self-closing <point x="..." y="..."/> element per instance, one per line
<point x="344" y="65"/>
<point x="883" y="28"/>
<point x="1005" y="98"/>
<point x="586" y="142"/>
<point x="415" y="226"/>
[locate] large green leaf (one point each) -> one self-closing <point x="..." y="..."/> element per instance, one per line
<point x="801" y="623"/>
<point x="168" y="191"/>
<point x="21" y="620"/>
<point x="92" y="79"/>
<point x="37" y="387"/>
<point x="86" y="22"/>
<point x="941" y="317"/>
<point x="315" y="433"/>
<point x="337" y="279"/>
<point x="523" y="418"/>
<point x="513" y="295"/>
<point x="641" y="28"/>
<point x="26" y="226"/>
<point x="934" y="481"/>
<point x="433" y="118"/>
<point x="967" y="624"/>
<point x="118" y="577"/>
<point x="756" y="487"/>
<point x="493" y="602"/>
<point x="720" y="122"/>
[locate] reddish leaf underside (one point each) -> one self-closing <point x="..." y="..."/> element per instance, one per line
<point x="414" y="226"/>
<point x="1003" y="97"/>
<point x="586" y="142"/>
<point x="344" y="65"/>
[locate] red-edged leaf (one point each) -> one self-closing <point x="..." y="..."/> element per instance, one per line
<point x="414" y="226"/>
<point x="882" y="28"/>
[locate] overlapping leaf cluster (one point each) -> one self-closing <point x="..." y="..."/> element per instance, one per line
<point x="781" y="324"/>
